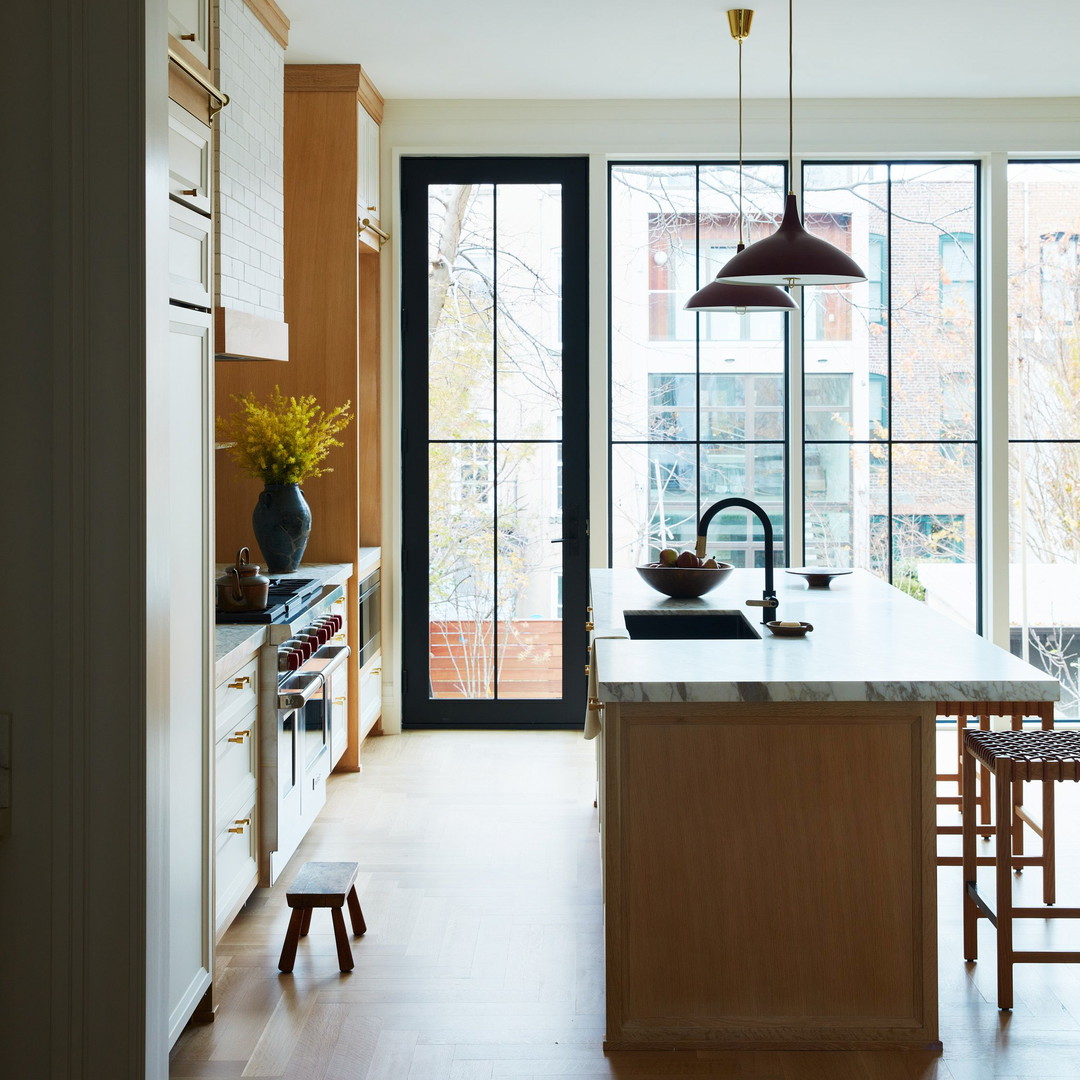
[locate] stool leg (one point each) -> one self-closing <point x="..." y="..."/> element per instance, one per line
<point x="1002" y="869"/>
<point x="1017" y="823"/>
<point x="1049" y="844"/>
<point x="355" y="914"/>
<point x="305" y="923"/>
<point x="984" y="778"/>
<point x="971" y="912"/>
<point x="292" y="937"/>
<point x="344" y="952"/>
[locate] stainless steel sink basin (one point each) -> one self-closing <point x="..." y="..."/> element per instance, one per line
<point x="689" y="625"/>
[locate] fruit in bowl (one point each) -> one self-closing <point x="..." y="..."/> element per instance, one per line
<point x="683" y="574"/>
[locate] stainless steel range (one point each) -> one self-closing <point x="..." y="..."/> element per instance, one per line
<point x="302" y="705"/>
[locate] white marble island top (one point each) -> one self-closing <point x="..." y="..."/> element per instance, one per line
<point x="870" y="642"/>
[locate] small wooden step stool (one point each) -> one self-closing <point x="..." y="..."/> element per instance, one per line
<point x="323" y="884"/>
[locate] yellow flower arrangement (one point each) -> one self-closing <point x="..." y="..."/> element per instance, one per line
<point x="283" y="441"/>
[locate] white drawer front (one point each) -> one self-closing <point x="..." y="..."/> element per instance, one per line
<point x="189" y="256"/>
<point x="370" y="695"/>
<point x="237" y="768"/>
<point x="235" y="698"/>
<point x="189" y="20"/>
<point x="236" y="866"/>
<point x="189" y="159"/>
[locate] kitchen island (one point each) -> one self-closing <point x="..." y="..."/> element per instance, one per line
<point x="768" y="816"/>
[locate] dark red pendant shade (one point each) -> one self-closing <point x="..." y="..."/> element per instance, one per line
<point x="722" y="296"/>
<point x="791" y="256"/>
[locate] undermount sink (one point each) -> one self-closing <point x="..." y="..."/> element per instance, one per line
<point x="689" y="625"/>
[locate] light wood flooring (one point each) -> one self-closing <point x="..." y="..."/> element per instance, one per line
<point x="480" y="884"/>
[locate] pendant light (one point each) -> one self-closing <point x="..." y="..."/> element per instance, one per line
<point x="719" y="295"/>
<point x="791" y="256"/>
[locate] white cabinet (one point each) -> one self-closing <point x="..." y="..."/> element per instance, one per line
<point x="189" y="22"/>
<point x="236" y="842"/>
<point x="190" y="261"/>
<point x="189" y="159"/>
<point x="187" y="432"/>
<point x="367" y="180"/>
<point x="370" y="694"/>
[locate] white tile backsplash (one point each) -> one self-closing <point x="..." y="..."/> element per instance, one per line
<point x="250" y="235"/>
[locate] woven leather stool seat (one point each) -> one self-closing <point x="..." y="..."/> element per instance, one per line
<point x="1013" y="758"/>
<point x="1035" y="755"/>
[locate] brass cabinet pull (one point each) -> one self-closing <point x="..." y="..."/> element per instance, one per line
<point x="586" y="669"/>
<point x="241" y="824"/>
<point x="240" y="736"/>
<point x="376" y="671"/>
<point x="189" y="191"/>
<point x="339" y="701"/>
<point x="589" y="626"/>
<point x="239" y="684"/>
<point x="187" y="37"/>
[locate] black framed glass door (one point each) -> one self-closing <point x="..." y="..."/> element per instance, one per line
<point x="495" y="441"/>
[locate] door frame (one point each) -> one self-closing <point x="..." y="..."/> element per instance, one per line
<point x="418" y="709"/>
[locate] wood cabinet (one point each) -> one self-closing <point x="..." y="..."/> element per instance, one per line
<point x="236" y="839"/>
<point x="331" y="306"/>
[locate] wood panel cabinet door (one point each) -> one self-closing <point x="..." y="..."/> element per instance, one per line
<point x="187" y="551"/>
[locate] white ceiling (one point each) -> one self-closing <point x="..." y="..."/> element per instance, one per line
<point x="682" y="48"/>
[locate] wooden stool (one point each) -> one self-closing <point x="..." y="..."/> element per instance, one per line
<point x="981" y="711"/>
<point x="1012" y="757"/>
<point x="323" y="884"/>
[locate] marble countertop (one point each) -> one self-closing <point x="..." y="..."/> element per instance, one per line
<point x="870" y="642"/>
<point x="236" y="643"/>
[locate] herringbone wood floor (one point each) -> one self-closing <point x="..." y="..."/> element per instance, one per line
<point x="480" y="885"/>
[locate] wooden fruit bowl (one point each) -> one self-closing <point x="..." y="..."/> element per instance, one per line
<point x="683" y="582"/>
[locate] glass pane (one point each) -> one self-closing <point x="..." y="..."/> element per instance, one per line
<point x="933" y="285"/>
<point x="933" y="527"/>
<point x="529" y="625"/>
<point x="1044" y="572"/>
<point x="754" y="472"/>
<point x="653" y="274"/>
<point x="528" y="272"/>
<point x="654" y="501"/>
<point x="1044" y="300"/>
<point x="847" y="506"/>
<point x="461" y="311"/>
<point x="461" y="575"/>
<point x="845" y="328"/>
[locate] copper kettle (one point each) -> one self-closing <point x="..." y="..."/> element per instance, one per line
<point x="242" y="587"/>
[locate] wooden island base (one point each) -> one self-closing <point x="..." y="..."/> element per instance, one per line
<point x="769" y="876"/>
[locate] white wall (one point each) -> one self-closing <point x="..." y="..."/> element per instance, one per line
<point x="986" y="129"/>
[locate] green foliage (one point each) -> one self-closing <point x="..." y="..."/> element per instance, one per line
<point x="282" y="441"/>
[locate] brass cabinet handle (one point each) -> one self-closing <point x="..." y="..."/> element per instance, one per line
<point x="376" y="671"/>
<point x="239" y="684"/>
<point x="241" y="823"/>
<point x="239" y="736"/>
<point x="586" y="669"/>
<point x="189" y="191"/>
<point x="371" y="207"/>
<point x="187" y="37"/>
<point x="589" y="626"/>
<point x="339" y="701"/>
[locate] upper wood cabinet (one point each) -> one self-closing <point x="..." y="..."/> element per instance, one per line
<point x="189" y="22"/>
<point x="331" y="306"/>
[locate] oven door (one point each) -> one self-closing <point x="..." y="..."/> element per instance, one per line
<point x="368" y="620"/>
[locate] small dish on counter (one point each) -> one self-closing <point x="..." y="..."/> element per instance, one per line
<point x="817" y="577"/>
<point x="789" y="629"/>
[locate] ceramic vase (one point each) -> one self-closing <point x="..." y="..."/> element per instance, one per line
<point x="282" y="523"/>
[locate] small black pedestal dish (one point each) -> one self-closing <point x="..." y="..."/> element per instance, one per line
<point x="817" y="577"/>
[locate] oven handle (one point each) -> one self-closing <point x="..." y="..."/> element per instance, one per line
<point x="335" y="663"/>
<point x="290" y="700"/>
